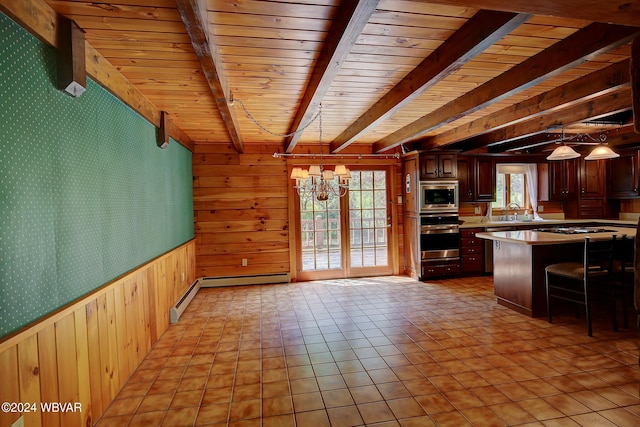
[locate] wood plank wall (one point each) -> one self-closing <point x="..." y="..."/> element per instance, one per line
<point x="87" y="351"/>
<point x="240" y="204"/>
<point x="242" y="211"/>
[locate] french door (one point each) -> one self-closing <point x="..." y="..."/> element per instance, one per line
<point x="347" y="236"/>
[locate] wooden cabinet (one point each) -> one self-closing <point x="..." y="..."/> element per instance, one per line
<point x="438" y="166"/>
<point x="563" y="179"/>
<point x="581" y="185"/>
<point x="592" y="178"/>
<point x="411" y="220"/>
<point x="442" y="268"/>
<point x="623" y="177"/>
<point x="477" y="178"/>
<point x="472" y="250"/>
<point x="485" y="179"/>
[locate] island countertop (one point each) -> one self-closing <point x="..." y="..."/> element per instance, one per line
<point x="540" y="237"/>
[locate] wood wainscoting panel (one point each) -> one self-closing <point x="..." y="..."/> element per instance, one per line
<point x="85" y="352"/>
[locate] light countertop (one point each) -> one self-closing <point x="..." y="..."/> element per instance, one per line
<point x="534" y="237"/>
<point x="476" y="222"/>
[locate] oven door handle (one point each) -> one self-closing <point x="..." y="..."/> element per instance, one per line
<point x="438" y="229"/>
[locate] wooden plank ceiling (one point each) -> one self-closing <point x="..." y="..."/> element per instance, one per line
<point x="469" y="75"/>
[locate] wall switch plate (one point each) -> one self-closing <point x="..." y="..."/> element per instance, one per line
<point x="244" y="262"/>
<point x="477" y="209"/>
<point x="540" y="208"/>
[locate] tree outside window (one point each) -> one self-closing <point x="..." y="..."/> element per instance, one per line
<point x="511" y="188"/>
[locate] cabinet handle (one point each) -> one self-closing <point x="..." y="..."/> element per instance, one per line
<point x="582" y="190"/>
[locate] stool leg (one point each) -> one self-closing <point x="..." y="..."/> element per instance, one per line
<point x="546" y="273"/>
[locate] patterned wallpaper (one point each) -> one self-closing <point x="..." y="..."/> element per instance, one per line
<point x="85" y="194"/>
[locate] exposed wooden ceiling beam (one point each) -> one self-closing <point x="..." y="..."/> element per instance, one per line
<point x="587" y="43"/>
<point x="593" y="108"/>
<point x="623" y="12"/>
<point x="350" y="20"/>
<point x="194" y="17"/>
<point x="612" y="78"/>
<point x="480" y="32"/>
<point x="623" y="137"/>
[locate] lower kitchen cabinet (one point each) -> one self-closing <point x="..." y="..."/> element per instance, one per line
<point x="472" y="250"/>
<point x="440" y="268"/>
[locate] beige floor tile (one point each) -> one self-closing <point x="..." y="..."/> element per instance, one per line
<point x="387" y="351"/>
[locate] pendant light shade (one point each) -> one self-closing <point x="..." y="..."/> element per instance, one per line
<point x="563" y="152"/>
<point x="602" y="152"/>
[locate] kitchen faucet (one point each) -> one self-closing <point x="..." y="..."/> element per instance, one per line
<point x="515" y="208"/>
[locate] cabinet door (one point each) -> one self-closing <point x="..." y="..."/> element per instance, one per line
<point x="571" y="179"/>
<point x="563" y="179"/>
<point x="623" y="176"/>
<point x="428" y="166"/>
<point x="465" y="179"/>
<point x="556" y="180"/>
<point x="592" y="175"/>
<point x="485" y="180"/>
<point x="447" y="165"/>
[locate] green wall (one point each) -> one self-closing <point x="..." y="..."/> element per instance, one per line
<point x="85" y="194"/>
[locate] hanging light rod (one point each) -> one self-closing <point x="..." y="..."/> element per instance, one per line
<point x="339" y="156"/>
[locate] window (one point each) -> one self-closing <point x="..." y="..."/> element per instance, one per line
<point x="516" y="183"/>
<point x="510" y="188"/>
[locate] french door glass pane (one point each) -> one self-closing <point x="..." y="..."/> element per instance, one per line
<point x="320" y="223"/>
<point x="368" y="219"/>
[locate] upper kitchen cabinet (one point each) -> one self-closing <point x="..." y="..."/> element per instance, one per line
<point x="563" y="179"/>
<point x="623" y="176"/>
<point x="592" y="178"/>
<point x="438" y="166"/>
<point x="477" y="178"/>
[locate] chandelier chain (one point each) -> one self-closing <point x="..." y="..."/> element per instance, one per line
<point x="283" y="135"/>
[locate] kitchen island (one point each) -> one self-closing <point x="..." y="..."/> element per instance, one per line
<point x="520" y="257"/>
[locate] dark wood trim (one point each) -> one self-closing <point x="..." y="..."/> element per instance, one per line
<point x="72" y="71"/>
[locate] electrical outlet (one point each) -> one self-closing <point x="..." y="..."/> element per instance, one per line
<point x="477" y="210"/>
<point x="19" y="422"/>
<point x="540" y="208"/>
<point x="244" y="262"/>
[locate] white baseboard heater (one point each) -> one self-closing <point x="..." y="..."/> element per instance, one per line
<point x="214" y="282"/>
<point x="258" y="279"/>
<point x="179" y="307"/>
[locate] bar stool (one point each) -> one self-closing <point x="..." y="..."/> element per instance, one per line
<point x="574" y="281"/>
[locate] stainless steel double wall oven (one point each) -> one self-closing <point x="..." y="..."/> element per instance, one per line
<point x="439" y="228"/>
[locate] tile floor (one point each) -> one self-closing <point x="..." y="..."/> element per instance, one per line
<point x="385" y="351"/>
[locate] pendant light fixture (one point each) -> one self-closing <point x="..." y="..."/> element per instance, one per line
<point x="563" y="152"/>
<point x="602" y="151"/>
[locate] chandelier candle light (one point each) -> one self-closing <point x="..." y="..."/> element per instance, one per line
<point x="319" y="183"/>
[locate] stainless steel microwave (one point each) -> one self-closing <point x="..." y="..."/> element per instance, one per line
<point x="438" y="196"/>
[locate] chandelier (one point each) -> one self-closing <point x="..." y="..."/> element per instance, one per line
<point x="319" y="182"/>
